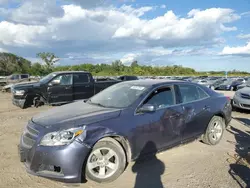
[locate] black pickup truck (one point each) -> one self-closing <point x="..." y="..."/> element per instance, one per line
<point x="58" y="88"/>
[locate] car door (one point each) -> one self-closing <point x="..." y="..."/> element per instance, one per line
<point x="196" y="110"/>
<point x="60" y="89"/>
<point x="83" y="88"/>
<point x="163" y="127"/>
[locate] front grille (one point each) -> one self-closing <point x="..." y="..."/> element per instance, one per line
<point x="245" y="105"/>
<point x="245" y="96"/>
<point x="32" y="131"/>
<point x="29" y="142"/>
<point x="30" y="135"/>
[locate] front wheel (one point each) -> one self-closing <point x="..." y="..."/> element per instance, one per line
<point x="106" y="162"/>
<point x="214" y="131"/>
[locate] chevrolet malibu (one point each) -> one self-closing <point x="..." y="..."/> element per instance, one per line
<point x="96" y="138"/>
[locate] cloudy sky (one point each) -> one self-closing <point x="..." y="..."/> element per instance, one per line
<point x="205" y="35"/>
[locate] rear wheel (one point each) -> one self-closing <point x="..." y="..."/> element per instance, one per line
<point x="214" y="131"/>
<point x="106" y="162"/>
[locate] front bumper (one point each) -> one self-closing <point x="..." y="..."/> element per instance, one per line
<point x="241" y="103"/>
<point x="61" y="163"/>
<point x="19" y="102"/>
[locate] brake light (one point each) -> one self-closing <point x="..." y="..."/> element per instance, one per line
<point x="228" y="98"/>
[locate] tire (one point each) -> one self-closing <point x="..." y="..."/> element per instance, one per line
<point x="118" y="161"/>
<point x="213" y="135"/>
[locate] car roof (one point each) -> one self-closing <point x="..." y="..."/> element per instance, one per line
<point x="69" y="72"/>
<point x="155" y="82"/>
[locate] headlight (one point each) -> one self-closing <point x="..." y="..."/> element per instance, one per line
<point x="61" y="138"/>
<point x="19" y="92"/>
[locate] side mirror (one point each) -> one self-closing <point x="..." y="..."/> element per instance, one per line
<point x="54" y="83"/>
<point x="146" y="108"/>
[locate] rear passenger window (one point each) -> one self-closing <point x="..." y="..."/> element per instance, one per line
<point x="23" y="76"/>
<point x="81" y="78"/>
<point x="202" y="94"/>
<point x="191" y="93"/>
<point x="161" y="98"/>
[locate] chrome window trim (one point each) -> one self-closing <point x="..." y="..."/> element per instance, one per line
<point x="208" y="96"/>
<point x="171" y="86"/>
<point x="173" y="90"/>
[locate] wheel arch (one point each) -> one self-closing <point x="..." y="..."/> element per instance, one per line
<point x="122" y="141"/>
<point x="220" y="114"/>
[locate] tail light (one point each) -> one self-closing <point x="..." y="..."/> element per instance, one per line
<point x="228" y="98"/>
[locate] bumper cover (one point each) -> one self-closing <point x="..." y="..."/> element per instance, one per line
<point x="61" y="163"/>
<point x="241" y="103"/>
<point x="19" y="102"/>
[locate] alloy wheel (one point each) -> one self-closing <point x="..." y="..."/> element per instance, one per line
<point x="216" y="131"/>
<point x="103" y="163"/>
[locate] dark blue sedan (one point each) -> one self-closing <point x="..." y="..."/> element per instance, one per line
<point x="96" y="138"/>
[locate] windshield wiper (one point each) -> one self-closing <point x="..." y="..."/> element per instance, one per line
<point x="97" y="104"/>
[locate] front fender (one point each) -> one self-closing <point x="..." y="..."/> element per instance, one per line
<point x="94" y="133"/>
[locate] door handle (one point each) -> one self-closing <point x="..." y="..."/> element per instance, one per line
<point x="206" y="107"/>
<point x="68" y="87"/>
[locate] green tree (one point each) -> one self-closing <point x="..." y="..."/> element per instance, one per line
<point x="11" y="63"/>
<point x="134" y="64"/>
<point x="49" y="59"/>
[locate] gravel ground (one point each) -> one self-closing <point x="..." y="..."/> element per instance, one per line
<point x="191" y="165"/>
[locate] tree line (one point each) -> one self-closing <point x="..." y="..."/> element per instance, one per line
<point x="11" y="63"/>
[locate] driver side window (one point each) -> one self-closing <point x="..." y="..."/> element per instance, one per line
<point x="161" y="98"/>
<point x="63" y="80"/>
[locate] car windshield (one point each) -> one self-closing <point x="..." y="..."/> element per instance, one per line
<point x="118" y="96"/>
<point x="228" y="82"/>
<point x="248" y="83"/>
<point x="47" y="78"/>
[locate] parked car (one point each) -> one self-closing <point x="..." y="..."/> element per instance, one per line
<point x="241" y="98"/>
<point x="14" y="78"/>
<point x="230" y="85"/>
<point x="58" y="88"/>
<point x="246" y="84"/>
<point x="216" y="84"/>
<point x="206" y="83"/>
<point x="127" y="78"/>
<point x="98" y="137"/>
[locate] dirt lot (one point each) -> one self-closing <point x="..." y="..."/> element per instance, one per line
<point x="191" y="165"/>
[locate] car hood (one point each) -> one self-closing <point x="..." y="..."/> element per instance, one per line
<point x="245" y="90"/>
<point x="26" y="85"/>
<point x="75" y="114"/>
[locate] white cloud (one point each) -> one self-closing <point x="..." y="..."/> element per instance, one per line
<point x="3" y="50"/>
<point x="19" y="34"/>
<point x="129" y="58"/>
<point x="34" y="12"/>
<point x="239" y="50"/>
<point x="4" y="12"/>
<point x="245" y="13"/>
<point x="3" y="2"/>
<point x="97" y="3"/>
<point x="163" y="6"/>
<point x="129" y="10"/>
<point x="102" y="33"/>
<point x="244" y="36"/>
<point x="199" y="27"/>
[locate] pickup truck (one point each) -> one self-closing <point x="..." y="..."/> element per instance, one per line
<point x="58" y="88"/>
<point x="14" y="78"/>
